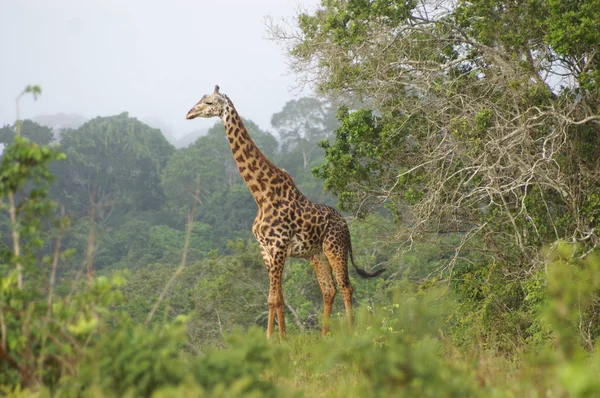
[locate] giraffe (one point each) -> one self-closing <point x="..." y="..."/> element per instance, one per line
<point x="287" y="223"/>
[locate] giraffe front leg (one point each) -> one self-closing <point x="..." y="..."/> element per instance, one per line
<point x="270" y="299"/>
<point x="271" y="319"/>
<point x="276" y="304"/>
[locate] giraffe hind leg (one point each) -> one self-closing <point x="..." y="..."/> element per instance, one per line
<point x="336" y="250"/>
<point x="325" y="278"/>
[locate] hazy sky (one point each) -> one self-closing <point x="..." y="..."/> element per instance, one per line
<point x="150" y="58"/>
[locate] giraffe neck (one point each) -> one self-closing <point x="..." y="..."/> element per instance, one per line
<point x="255" y="168"/>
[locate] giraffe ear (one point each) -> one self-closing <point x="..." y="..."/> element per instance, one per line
<point x="216" y="90"/>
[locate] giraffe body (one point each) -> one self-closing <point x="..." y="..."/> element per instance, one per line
<point x="287" y="223"/>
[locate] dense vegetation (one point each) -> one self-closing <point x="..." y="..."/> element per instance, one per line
<point x="466" y="140"/>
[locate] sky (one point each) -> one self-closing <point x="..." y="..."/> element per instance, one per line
<point x="153" y="59"/>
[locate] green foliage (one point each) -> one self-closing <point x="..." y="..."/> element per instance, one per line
<point x="167" y="243"/>
<point x="402" y="355"/>
<point x="209" y="158"/>
<point x="112" y="161"/>
<point x="301" y="124"/>
<point x="358" y="155"/>
<point x="36" y="133"/>
<point x="230" y="212"/>
<point x="572" y="25"/>
<point x="25" y="180"/>
<point x="460" y="130"/>
<point x="225" y="202"/>
<point x="78" y="344"/>
<point x="144" y="285"/>
<point x="572" y="288"/>
<point x="230" y="292"/>
<point x="515" y="26"/>
<point x="23" y="161"/>
<point x="488" y="312"/>
<point x="240" y="366"/>
<point x="34" y="89"/>
<point x="133" y="361"/>
<point x="45" y="339"/>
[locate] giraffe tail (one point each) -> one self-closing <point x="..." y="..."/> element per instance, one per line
<point x="361" y="272"/>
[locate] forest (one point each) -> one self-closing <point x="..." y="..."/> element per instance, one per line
<point x="461" y="141"/>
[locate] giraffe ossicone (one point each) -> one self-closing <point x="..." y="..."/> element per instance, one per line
<point x="287" y="223"/>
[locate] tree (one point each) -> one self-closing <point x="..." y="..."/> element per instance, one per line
<point x="41" y="135"/>
<point x="231" y="292"/>
<point x="230" y="212"/>
<point x="479" y="121"/>
<point x="464" y="119"/>
<point x="302" y="123"/>
<point x="113" y="166"/>
<point x="112" y="161"/>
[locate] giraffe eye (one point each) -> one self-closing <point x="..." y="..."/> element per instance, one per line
<point x="208" y="103"/>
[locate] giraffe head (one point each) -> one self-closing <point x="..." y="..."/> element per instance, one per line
<point x="210" y="105"/>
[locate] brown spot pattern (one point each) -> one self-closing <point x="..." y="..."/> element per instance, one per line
<point x="289" y="225"/>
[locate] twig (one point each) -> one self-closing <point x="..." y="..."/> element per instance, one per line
<point x="2" y="328"/>
<point x="12" y="362"/>
<point x="91" y="237"/>
<point x="186" y="245"/>
<point x="55" y="264"/>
